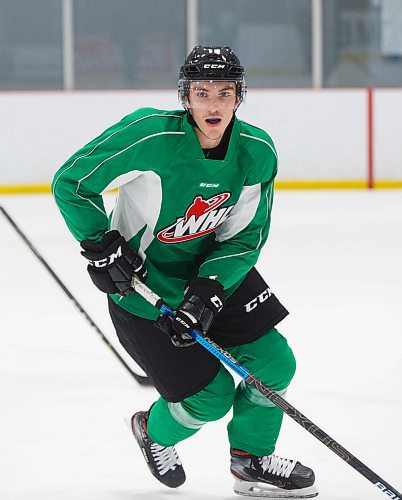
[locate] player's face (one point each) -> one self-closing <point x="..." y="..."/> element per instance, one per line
<point x="212" y="105"/>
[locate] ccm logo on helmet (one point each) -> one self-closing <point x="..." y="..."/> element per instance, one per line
<point x="266" y="294"/>
<point x="214" y="66"/>
<point x="107" y="260"/>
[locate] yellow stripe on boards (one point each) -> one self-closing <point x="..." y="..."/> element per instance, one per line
<point x="332" y="184"/>
<point x="318" y="184"/>
<point x="24" y="188"/>
<point x="388" y="184"/>
<point x="313" y="184"/>
<point x="31" y="189"/>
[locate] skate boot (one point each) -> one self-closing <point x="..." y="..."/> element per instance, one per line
<point x="271" y="476"/>
<point x="163" y="462"/>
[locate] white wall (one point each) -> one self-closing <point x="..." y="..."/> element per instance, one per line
<point x="319" y="134"/>
<point x="388" y="133"/>
<point x="40" y="130"/>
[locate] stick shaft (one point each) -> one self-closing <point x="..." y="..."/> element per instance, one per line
<point x="139" y="378"/>
<point x="226" y="358"/>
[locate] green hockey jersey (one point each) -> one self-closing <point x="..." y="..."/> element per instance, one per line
<point x="186" y="215"/>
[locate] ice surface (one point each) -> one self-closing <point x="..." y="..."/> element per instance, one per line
<point x="334" y="258"/>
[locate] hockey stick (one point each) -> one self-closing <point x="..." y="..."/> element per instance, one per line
<point x="281" y="403"/>
<point x="139" y="378"/>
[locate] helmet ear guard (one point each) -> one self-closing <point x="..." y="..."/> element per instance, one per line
<point x="212" y="63"/>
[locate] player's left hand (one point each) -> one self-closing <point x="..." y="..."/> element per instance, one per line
<point x="203" y="299"/>
<point x="165" y="323"/>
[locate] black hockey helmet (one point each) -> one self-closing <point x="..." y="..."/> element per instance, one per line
<point x="212" y="63"/>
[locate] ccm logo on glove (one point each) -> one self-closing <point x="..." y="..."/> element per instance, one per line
<point x="106" y="261"/>
<point x="113" y="263"/>
<point x="186" y="325"/>
<point x="216" y="301"/>
<point x="203" y="299"/>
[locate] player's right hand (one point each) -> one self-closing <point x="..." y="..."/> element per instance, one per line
<point x="113" y="263"/>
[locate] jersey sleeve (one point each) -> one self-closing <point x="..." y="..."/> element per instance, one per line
<point x="105" y="163"/>
<point x="243" y="234"/>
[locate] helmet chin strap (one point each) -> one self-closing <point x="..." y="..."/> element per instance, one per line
<point x="191" y="119"/>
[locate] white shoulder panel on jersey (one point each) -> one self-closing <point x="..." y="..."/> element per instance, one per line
<point x="138" y="204"/>
<point x="242" y="213"/>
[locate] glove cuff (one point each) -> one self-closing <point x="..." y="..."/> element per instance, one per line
<point x="98" y="246"/>
<point x="210" y="291"/>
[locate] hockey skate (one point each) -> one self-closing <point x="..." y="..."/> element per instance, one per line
<point x="271" y="476"/>
<point x="163" y="462"/>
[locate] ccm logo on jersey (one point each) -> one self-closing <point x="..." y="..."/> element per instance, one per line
<point x="266" y="294"/>
<point x="201" y="217"/>
<point x="107" y="260"/>
<point x="206" y="185"/>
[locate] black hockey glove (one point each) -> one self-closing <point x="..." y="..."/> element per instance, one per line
<point x="203" y="299"/>
<point x="165" y="323"/>
<point x="113" y="263"/>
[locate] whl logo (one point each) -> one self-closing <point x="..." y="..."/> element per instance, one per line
<point x="201" y="217"/>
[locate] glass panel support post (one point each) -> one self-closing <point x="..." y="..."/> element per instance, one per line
<point x="68" y="44"/>
<point x="191" y="24"/>
<point x="317" y="43"/>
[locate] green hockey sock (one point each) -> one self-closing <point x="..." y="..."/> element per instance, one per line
<point x="256" y="421"/>
<point x="169" y="423"/>
<point x="254" y="428"/>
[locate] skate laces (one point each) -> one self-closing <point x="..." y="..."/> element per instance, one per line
<point x="165" y="458"/>
<point x="277" y="465"/>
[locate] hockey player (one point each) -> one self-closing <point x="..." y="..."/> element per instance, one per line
<point x="192" y="214"/>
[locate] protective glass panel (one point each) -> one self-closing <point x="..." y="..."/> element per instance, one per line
<point x="128" y="44"/>
<point x="362" y="43"/>
<point x="30" y="44"/>
<point x="271" y="37"/>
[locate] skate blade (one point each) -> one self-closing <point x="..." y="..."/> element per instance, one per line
<point x="255" y="489"/>
<point x="127" y="420"/>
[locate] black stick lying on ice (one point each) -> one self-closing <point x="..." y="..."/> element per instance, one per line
<point x="142" y="380"/>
